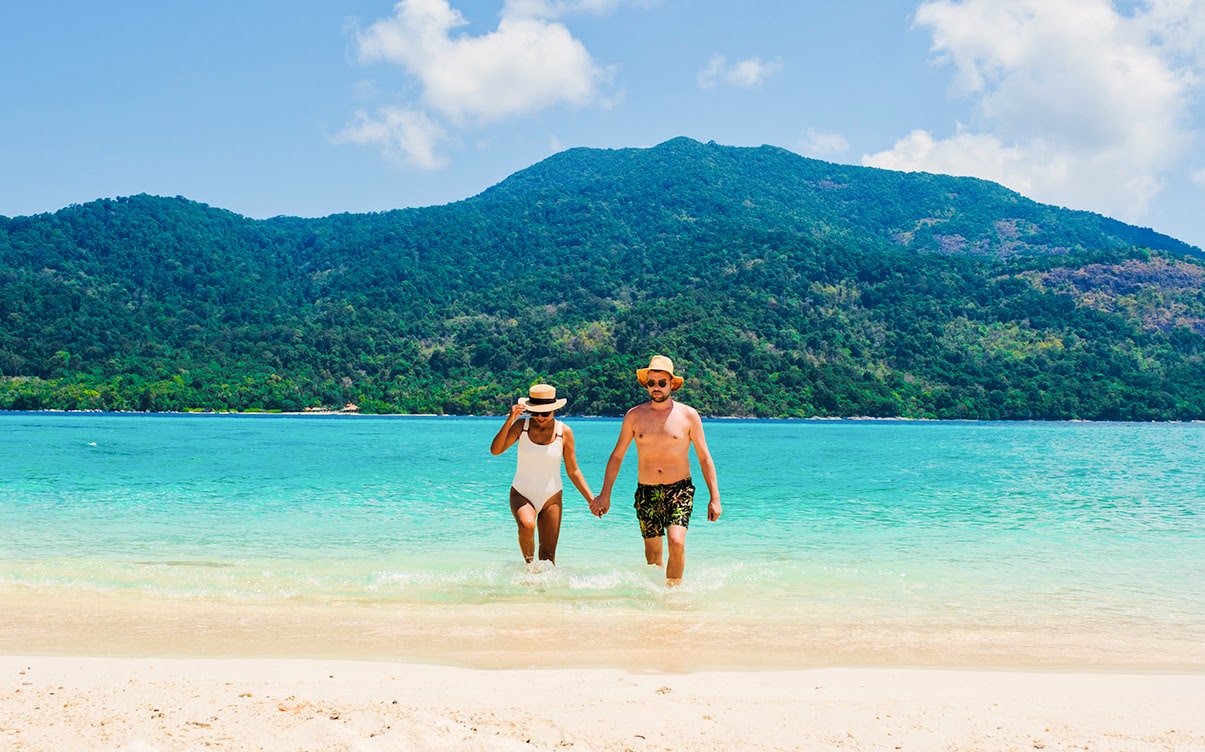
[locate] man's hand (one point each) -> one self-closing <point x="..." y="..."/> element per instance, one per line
<point x="601" y="504"/>
<point x="714" y="510"/>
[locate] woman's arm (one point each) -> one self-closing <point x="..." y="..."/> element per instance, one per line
<point x="571" y="467"/>
<point x="509" y="432"/>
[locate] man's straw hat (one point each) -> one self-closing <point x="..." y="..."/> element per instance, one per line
<point x="659" y="363"/>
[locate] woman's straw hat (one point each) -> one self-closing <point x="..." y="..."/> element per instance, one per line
<point x="659" y="363"/>
<point x="541" y="398"/>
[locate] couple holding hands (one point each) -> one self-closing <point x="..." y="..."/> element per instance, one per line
<point x="664" y="431"/>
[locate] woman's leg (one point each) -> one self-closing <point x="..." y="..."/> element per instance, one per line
<point x="525" y="518"/>
<point x="550" y="527"/>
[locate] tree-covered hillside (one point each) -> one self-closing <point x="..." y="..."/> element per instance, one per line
<point x="782" y="286"/>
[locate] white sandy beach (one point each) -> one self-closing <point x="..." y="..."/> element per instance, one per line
<point x="141" y="705"/>
<point x="105" y="675"/>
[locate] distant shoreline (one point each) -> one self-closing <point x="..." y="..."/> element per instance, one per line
<point x="576" y="416"/>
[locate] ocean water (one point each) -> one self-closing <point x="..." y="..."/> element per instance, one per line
<point x="842" y="542"/>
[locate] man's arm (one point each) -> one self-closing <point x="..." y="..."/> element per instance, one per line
<point x="602" y="502"/>
<point x="714" y="508"/>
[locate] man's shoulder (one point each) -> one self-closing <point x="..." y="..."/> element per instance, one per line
<point x="686" y="409"/>
<point x="640" y="409"/>
<point x="652" y="410"/>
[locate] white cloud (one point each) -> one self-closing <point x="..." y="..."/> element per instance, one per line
<point x="745" y="74"/>
<point x="1179" y="26"/>
<point x="529" y="63"/>
<point x="819" y="145"/>
<point x="979" y="155"/>
<point x="556" y="8"/>
<point x="710" y="76"/>
<point x="526" y="65"/>
<point x="406" y="137"/>
<point x="1073" y="103"/>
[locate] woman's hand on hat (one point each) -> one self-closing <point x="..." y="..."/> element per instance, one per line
<point x="516" y="410"/>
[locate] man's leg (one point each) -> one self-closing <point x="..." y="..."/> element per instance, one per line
<point x="652" y="550"/>
<point x="525" y="518"/>
<point x="549" y="523"/>
<point x="677" y="553"/>
<point x="651" y="529"/>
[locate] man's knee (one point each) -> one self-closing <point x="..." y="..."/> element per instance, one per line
<point x="675" y="535"/>
<point x="652" y="550"/>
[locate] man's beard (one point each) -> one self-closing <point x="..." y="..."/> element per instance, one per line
<point x="664" y="396"/>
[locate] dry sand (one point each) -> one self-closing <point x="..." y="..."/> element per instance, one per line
<point x="144" y="705"/>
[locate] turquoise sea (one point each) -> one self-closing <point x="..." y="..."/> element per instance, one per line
<point x="1072" y="545"/>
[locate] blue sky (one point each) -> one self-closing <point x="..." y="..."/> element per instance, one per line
<point x="314" y="107"/>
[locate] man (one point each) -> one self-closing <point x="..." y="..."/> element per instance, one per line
<point x="664" y="431"/>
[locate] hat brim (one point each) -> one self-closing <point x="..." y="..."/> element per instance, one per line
<point x="642" y="375"/>
<point x="546" y="408"/>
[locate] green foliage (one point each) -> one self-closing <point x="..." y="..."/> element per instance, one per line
<point x="782" y="286"/>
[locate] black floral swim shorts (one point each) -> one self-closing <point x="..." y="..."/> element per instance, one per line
<point x="659" y="506"/>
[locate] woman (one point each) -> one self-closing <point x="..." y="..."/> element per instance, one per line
<point x="535" y="493"/>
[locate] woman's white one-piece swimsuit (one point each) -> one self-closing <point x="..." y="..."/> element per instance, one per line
<point x="538" y="475"/>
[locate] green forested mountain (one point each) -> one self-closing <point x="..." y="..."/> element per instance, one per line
<point x="782" y="286"/>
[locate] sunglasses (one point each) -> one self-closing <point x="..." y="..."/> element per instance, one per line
<point x="659" y="384"/>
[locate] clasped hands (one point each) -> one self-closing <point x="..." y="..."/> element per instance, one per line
<point x="600" y="505"/>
